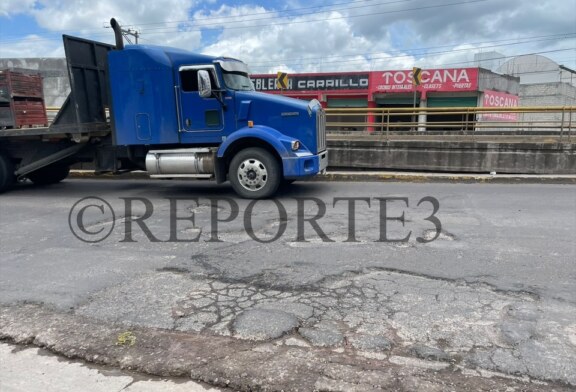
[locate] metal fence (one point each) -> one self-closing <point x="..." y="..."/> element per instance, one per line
<point x="551" y="123"/>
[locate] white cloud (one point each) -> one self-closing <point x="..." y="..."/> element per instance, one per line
<point x="346" y="37"/>
<point x="88" y="18"/>
<point x="459" y="56"/>
<point x="82" y="15"/>
<point x="306" y="43"/>
<point x="31" y="46"/>
<point x="13" y="7"/>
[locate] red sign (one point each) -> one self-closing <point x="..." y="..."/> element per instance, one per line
<point x="497" y="99"/>
<point x="450" y="80"/>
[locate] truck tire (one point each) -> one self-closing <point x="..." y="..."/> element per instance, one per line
<point x="49" y="175"/>
<point x="255" y="173"/>
<point x="7" y="178"/>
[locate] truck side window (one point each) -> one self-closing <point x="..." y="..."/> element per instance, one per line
<point x="189" y="79"/>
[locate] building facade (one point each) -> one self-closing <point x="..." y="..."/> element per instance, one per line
<point x="449" y="87"/>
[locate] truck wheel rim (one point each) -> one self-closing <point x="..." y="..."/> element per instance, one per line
<point x="252" y="174"/>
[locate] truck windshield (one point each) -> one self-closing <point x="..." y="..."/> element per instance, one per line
<point x="236" y="75"/>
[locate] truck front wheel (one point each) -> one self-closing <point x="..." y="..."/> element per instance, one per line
<point x="255" y="173"/>
<point x="6" y="173"/>
<point x="49" y="175"/>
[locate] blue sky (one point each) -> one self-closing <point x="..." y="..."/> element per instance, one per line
<point x="306" y="36"/>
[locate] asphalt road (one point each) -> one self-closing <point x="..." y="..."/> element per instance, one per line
<point x="487" y="283"/>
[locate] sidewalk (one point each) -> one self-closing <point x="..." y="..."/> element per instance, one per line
<point x="29" y="369"/>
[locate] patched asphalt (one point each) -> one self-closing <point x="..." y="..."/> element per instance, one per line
<point x="490" y="303"/>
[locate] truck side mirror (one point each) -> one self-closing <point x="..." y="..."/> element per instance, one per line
<point x="204" y="85"/>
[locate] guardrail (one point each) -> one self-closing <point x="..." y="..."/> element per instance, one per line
<point x="558" y="122"/>
<point x="552" y="123"/>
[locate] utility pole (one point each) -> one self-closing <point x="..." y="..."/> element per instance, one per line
<point x="133" y="33"/>
<point x="416" y="80"/>
<point x="129" y="32"/>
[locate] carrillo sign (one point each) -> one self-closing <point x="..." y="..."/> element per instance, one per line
<point x="343" y="81"/>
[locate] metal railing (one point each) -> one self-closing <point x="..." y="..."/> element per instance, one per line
<point x="545" y="123"/>
<point x="556" y="123"/>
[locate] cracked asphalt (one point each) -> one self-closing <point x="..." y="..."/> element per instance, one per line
<point x="381" y="301"/>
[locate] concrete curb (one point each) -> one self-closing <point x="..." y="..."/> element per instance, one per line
<point x="231" y="363"/>
<point x="446" y="177"/>
<point x="387" y="176"/>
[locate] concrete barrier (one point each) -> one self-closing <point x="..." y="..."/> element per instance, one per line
<point x="446" y="156"/>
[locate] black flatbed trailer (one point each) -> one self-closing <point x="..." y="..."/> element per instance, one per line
<point x="80" y="132"/>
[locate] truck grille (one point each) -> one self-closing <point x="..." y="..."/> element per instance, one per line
<point x="321" y="130"/>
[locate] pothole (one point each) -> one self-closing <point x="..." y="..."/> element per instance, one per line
<point x="429" y="235"/>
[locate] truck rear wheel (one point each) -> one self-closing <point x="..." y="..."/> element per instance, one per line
<point x="6" y="173"/>
<point x="255" y="173"/>
<point x="49" y="175"/>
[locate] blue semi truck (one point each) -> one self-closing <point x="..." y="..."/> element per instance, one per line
<point x="172" y="113"/>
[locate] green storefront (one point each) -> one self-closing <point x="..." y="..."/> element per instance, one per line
<point x="452" y="102"/>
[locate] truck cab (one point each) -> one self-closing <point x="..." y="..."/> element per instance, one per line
<point x="193" y="114"/>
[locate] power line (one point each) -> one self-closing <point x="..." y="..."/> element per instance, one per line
<point x="460" y="63"/>
<point x="124" y="25"/>
<point x="306" y="61"/>
<point x="366" y="56"/>
<point x="160" y="29"/>
<point x="511" y="57"/>
<point x="417" y="51"/>
<point x="276" y="12"/>
<point x="497" y="75"/>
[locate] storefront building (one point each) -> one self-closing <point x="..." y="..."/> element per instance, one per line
<point x="451" y="87"/>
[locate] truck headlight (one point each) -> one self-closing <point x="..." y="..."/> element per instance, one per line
<point x="295" y="145"/>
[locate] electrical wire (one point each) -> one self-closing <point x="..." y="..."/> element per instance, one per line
<point x="415" y="52"/>
<point x="423" y="53"/>
<point x="163" y="30"/>
<point x="218" y="25"/>
<point x="275" y="12"/>
<point x="392" y="58"/>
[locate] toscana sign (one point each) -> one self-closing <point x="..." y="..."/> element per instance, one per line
<point x="455" y="79"/>
<point x="498" y="99"/>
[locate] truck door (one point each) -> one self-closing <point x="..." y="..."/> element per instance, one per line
<point x="201" y="119"/>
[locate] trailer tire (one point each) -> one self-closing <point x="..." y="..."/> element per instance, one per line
<point x="7" y="178"/>
<point x="255" y="173"/>
<point x="49" y="175"/>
